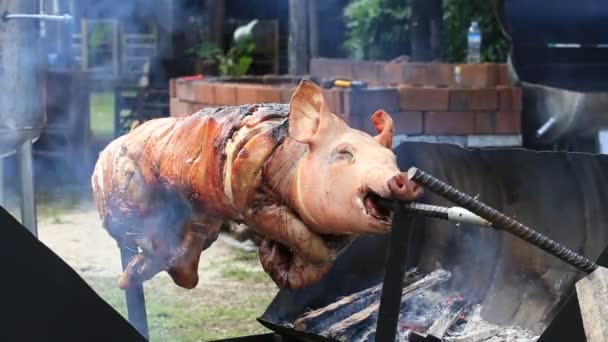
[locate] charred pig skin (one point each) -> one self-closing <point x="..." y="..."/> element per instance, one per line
<point x="294" y="173"/>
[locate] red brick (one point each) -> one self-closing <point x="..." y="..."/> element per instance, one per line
<point x="225" y="94"/>
<point x="367" y="71"/>
<point x="441" y="74"/>
<point x="173" y="107"/>
<point x="246" y="94"/>
<point x="423" y="98"/>
<point x="508" y="123"/>
<point x="172" y="92"/>
<point x="504" y="78"/>
<point x="184" y="90"/>
<point x="392" y="73"/>
<point x="485" y="123"/>
<point x="195" y="107"/>
<point x="408" y="122"/>
<point x="331" y="68"/>
<point x="417" y="74"/>
<point x="471" y="99"/>
<point x="179" y="108"/>
<point x="517" y="99"/>
<point x="509" y="98"/>
<point x="364" y="102"/>
<point x="456" y="123"/>
<point x="479" y="75"/>
<point x="268" y="94"/>
<point x="286" y="93"/>
<point x="204" y="92"/>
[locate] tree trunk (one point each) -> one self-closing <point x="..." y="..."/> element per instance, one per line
<point x="216" y="11"/>
<point x="426" y="30"/>
<point x="298" y="37"/>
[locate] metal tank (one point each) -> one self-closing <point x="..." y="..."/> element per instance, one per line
<point x="22" y="109"/>
<point x="22" y="114"/>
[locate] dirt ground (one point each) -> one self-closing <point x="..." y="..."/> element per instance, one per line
<point x="233" y="289"/>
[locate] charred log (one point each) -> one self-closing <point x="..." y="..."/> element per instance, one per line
<point x="320" y="319"/>
<point x="360" y="324"/>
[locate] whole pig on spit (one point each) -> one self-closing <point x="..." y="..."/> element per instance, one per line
<point x="296" y="174"/>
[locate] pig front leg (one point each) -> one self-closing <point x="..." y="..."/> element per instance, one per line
<point x="184" y="260"/>
<point x="288" y="270"/>
<point x="279" y="224"/>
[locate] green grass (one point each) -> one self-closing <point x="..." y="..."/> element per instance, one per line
<point x="102" y="114"/>
<point x="179" y="315"/>
<point x="243" y="274"/>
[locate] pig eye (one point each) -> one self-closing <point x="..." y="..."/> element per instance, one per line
<point x="343" y="153"/>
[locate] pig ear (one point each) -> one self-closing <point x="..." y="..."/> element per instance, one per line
<point x="306" y="111"/>
<point x="385" y="128"/>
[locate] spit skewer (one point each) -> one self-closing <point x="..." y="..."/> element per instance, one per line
<point x="499" y="220"/>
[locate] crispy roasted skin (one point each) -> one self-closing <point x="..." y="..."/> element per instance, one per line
<point x="168" y="185"/>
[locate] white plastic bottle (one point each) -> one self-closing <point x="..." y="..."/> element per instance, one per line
<point x="474" y="44"/>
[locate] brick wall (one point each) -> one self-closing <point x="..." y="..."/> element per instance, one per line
<point x="423" y="99"/>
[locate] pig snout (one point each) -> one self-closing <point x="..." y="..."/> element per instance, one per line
<point x="403" y="189"/>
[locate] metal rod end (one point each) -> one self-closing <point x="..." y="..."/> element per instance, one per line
<point x="411" y="173"/>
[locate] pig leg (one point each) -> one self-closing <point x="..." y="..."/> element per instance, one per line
<point x="279" y="224"/>
<point x="183" y="265"/>
<point x="288" y="270"/>
<point x="141" y="268"/>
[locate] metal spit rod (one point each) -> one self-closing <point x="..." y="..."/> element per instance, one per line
<point x="453" y="214"/>
<point x="502" y="221"/>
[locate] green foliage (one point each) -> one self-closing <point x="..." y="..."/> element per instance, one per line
<point x="206" y="51"/>
<point x="458" y="15"/>
<point x="238" y="59"/>
<point x="377" y="29"/>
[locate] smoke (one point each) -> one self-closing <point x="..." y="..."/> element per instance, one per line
<point x="53" y="110"/>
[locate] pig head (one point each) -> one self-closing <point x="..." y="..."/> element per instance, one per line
<point x="337" y="183"/>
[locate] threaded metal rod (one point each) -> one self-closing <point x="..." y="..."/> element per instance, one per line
<point x="427" y="210"/>
<point x="500" y="220"/>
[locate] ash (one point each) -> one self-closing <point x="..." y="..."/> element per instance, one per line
<point x="473" y="328"/>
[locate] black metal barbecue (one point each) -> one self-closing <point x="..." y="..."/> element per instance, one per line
<point x="559" y="194"/>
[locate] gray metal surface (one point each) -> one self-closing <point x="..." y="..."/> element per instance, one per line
<point x="28" y="200"/>
<point x="562" y="195"/>
<point x="22" y="66"/>
<point x="574" y="113"/>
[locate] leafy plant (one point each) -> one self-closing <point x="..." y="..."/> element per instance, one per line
<point x="238" y="59"/>
<point x="377" y="29"/>
<point x="458" y="15"/>
<point x="380" y="29"/>
<point x="206" y="51"/>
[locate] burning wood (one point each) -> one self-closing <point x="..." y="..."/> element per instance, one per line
<point x="427" y="313"/>
<point x="474" y="329"/>
<point x="355" y="317"/>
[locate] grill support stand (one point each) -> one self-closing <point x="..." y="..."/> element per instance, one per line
<point x="390" y="299"/>
<point x="136" y="301"/>
<point x="28" y="200"/>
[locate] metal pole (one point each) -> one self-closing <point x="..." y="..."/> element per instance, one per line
<point x="2" y="182"/>
<point x="136" y="301"/>
<point x="499" y="220"/>
<point x="28" y="200"/>
<point x="390" y="299"/>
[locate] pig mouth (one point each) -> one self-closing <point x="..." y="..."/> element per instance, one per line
<point x="378" y="207"/>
